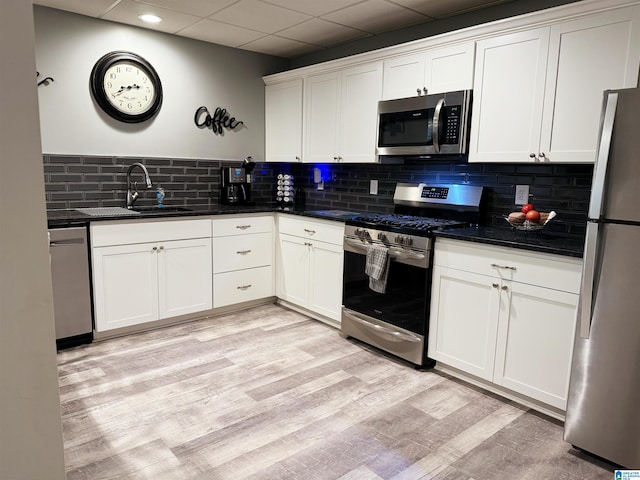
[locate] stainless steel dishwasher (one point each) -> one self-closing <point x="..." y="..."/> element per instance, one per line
<point x="71" y="286"/>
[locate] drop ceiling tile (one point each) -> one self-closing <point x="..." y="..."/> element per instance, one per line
<point x="260" y="16"/>
<point x="220" y="33"/>
<point x="376" y="16"/>
<point x="314" y="7"/>
<point x="279" y="47"/>
<point x="127" y="11"/>
<point x="446" y="8"/>
<point x="94" y="8"/>
<point x="200" y="8"/>
<point x="321" y="32"/>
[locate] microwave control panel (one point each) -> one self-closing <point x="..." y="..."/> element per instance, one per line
<point x="452" y="125"/>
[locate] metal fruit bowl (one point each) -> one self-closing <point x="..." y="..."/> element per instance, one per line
<point x="531" y="226"/>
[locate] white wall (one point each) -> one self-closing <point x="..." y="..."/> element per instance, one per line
<point x="192" y="73"/>
<point x="30" y="426"/>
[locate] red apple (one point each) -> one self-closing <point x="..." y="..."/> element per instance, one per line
<point x="527" y="207"/>
<point x="533" y="216"/>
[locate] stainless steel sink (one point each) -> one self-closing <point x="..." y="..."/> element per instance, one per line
<point x="165" y="208"/>
<point x="106" y="211"/>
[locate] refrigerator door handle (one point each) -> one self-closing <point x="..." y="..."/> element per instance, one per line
<point x="588" y="274"/>
<point x="602" y="155"/>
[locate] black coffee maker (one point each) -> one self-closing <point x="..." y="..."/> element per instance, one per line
<point x="236" y="186"/>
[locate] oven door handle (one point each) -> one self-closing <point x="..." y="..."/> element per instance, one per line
<point x="387" y="331"/>
<point x="394" y="252"/>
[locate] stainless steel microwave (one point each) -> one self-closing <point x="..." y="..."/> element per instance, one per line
<point x="428" y="125"/>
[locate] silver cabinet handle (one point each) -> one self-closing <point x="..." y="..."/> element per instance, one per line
<point x="436" y="125"/>
<point x="243" y="287"/>
<point x="419" y="91"/>
<point x="69" y="241"/>
<point x="495" y="285"/>
<point x="243" y="227"/>
<point x="155" y="249"/>
<point x="532" y="155"/>
<point x="424" y="90"/>
<point x="161" y="247"/>
<point x="297" y="159"/>
<point x="505" y="288"/>
<point x="307" y="244"/>
<point x="505" y="267"/>
<point x="243" y="252"/>
<point x="310" y="232"/>
<point x="542" y="155"/>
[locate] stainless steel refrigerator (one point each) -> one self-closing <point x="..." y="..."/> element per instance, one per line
<point x="603" y="410"/>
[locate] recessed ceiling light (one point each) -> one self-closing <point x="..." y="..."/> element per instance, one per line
<point x="150" y="18"/>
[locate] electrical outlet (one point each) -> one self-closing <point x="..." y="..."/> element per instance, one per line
<point x="522" y="194"/>
<point x="373" y="187"/>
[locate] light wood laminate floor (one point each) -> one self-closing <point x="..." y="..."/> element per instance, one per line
<point x="270" y="394"/>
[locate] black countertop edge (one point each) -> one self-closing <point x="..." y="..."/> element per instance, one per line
<point x="540" y="241"/>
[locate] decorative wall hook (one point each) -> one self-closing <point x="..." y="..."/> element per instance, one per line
<point x="44" y="81"/>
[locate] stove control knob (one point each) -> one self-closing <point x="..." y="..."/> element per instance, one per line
<point x="382" y="236"/>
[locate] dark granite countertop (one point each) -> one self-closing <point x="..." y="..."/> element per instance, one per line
<point x="539" y="241"/>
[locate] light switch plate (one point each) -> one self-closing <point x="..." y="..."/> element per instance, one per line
<point x="522" y="194"/>
<point x="373" y="187"/>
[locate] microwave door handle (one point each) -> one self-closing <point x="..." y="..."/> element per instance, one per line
<point x="436" y="125"/>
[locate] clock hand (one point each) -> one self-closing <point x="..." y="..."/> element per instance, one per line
<point x="128" y="87"/>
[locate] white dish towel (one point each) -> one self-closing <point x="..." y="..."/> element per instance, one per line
<point x="377" y="267"/>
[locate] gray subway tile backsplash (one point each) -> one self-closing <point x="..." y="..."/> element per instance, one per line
<point x="76" y="181"/>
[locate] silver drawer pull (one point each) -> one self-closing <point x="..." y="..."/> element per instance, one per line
<point x="506" y="267"/>
<point x="243" y="227"/>
<point x="244" y="287"/>
<point x="310" y="232"/>
<point x="243" y="252"/>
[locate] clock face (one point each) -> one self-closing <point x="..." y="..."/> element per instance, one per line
<point x="126" y="87"/>
<point x="129" y="88"/>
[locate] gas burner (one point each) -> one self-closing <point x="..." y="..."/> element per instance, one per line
<point x="407" y="222"/>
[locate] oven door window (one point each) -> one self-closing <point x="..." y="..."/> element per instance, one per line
<point x="405" y="302"/>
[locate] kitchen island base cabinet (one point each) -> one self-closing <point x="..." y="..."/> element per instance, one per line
<point x="506" y="317"/>
<point x="136" y="283"/>
<point x="310" y="257"/>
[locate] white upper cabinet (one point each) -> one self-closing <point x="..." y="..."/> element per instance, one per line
<point x="435" y="70"/>
<point x="508" y="96"/>
<point x="538" y="93"/>
<point x="341" y="114"/>
<point x="283" y="121"/>
<point x="588" y="56"/>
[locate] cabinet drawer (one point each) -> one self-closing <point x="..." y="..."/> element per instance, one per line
<point x="551" y="271"/>
<point x="242" y="286"/>
<point x="240" y="252"/>
<point x="320" y="230"/>
<point x="126" y="233"/>
<point x="242" y="225"/>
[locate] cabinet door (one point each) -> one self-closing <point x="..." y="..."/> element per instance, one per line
<point x="293" y="274"/>
<point x="125" y="285"/>
<point x="463" y="320"/>
<point x="322" y="103"/>
<point x="184" y="277"/>
<point x="508" y="97"/>
<point x="283" y="122"/>
<point x="535" y="342"/>
<point x="325" y="283"/>
<point x="586" y="57"/>
<point x="403" y="76"/>
<point x="449" y="69"/>
<point x="361" y="91"/>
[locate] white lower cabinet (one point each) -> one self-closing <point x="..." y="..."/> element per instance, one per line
<point x="243" y="249"/>
<point x="505" y="316"/>
<point x="136" y="280"/>
<point x="310" y="257"/>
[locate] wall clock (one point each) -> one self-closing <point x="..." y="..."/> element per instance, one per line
<point x="126" y="87"/>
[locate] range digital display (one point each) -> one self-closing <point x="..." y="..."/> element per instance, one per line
<point x="435" y="192"/>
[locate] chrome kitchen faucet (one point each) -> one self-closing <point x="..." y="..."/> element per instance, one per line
<point x="133" y="196"/>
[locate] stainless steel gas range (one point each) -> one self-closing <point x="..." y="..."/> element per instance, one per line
<point x="387" y="266"/>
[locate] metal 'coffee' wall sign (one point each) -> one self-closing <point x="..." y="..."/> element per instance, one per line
<point x="219" y="119"/>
